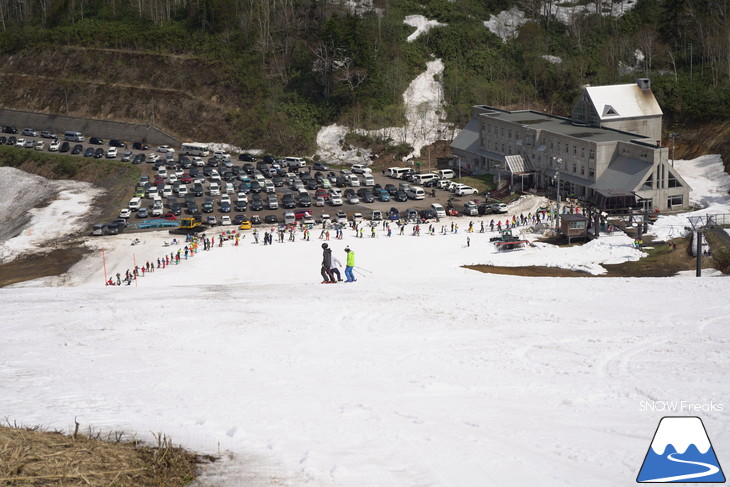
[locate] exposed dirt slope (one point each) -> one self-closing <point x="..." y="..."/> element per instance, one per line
<point x="183" y="95"/>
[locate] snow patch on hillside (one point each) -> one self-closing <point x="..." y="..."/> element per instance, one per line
<point x="424" y="112"/>
<point x="422" y="25"/>
<point x="506" y="23"/>
<point x="30" y="224"/>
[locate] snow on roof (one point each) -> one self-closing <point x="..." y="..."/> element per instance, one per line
<point x="622" y="101"/>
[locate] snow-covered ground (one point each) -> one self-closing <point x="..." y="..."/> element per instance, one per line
<point x="420" y="373"/>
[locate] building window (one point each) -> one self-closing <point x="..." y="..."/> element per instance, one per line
<point x="575" y="150"/>
<point x="582" y="152"/>
<point x="567" y="148"/>
<point x="502" y="148"/>
<point x="649" y="183"/>
<point x="502" y="131"/>
<point x="676" y="200"/>
<point x="509" y="133"/>
<point x="582" y="170"/>
<point x="575" y="167"/>
<point x="591" y="172"/>
<point x="672" y="181"/>
<point x="579" y="225"/>
<point x="592" y="154"/>
<point x="644" y="155"/>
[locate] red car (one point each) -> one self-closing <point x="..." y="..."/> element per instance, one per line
<point x="323" y="193"/>
<point x="168" y="216"/>
<point x="186" y="179"/>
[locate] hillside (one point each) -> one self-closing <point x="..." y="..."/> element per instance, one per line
<point x="269" y="74"/>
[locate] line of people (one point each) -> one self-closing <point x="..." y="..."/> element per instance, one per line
<point x="330" y="266"/>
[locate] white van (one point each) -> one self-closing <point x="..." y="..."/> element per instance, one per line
<point x="415" y="193"/>
<point x="440" y="211"/>
<point x="424" y="178"/>
<point x="295" y="162"/>
<point x="135" y="203"/>
<point x="445" y="174"/>
<point x="289" y="218"/>
<point x="353" y="180"/>
<point x="156" y="201"/>
<point x="73" y="136"/>
<point x="368" y="179"/>
<point x="397" y="172"/>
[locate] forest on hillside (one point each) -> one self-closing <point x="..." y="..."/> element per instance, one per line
<point x="298" y="64"/>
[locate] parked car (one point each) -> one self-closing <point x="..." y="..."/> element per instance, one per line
<point x="117" y="143"/>
<point x="466" y="190"/>
<point x="54" y="146"/>
<point x="111" y="153"/>
<point x="30" y="132"/>
<point x="318" y="166"/>
<point x="65" y="147"/>
<point x="77" y="149"/>
<point x="401" y="195"/>
<point x="89" y="152"/>
<point x="9" y="129"/>
<point x="212" y="220"/>
<point x="140" y="146"/>
<point x="125" y="213"/>
<point x="96" y="141"/>
<point x="142" y="213"/>
<point x="165" y="148"/>
<point x="499" y="208"/>
<point x="47" y="134"/>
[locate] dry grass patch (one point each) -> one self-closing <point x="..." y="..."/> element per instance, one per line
<point x="33" y="457"/>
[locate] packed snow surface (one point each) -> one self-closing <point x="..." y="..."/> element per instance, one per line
<point x="420" y="373"/>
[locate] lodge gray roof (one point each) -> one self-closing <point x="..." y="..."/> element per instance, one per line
<point x="623" y="173"/>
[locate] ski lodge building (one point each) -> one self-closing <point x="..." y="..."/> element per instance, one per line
<point x="609" y="153"/>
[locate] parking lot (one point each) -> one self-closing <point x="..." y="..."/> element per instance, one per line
<point x="241" y="187"/>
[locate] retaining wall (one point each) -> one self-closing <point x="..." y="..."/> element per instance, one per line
<point x="58" y="124"/>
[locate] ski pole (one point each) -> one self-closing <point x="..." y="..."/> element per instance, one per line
<point x="360" y="268"/>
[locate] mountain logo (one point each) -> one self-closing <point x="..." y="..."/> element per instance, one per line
<point x="680" y="452"/>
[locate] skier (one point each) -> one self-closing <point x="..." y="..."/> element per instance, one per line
<point x="334" y="271"/>
<point x="327" y="265"/>
<point x="350" y="277"/>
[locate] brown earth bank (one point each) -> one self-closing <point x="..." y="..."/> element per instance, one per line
<point x="33" y="457"/>
<point x="186" y="96"/>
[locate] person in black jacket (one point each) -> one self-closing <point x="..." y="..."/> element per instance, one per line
<point x="326" y="265"/>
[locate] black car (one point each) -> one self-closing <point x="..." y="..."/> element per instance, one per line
<point x="12" y="140"/>
<point x="138" y="159"/>
<point x="287" y="201"/>
<point x="341" y="182"/>
<point x="401" y="195"/>
<point x="427" y="214"/>
<point x="208" y="207"/>
<point x="65" y="147"/>
<point x="305" y="200"/>
<point x="207" y="171"/>
<point x="365" y="195"/>
<point x="257" y="205"/>
<point x="255" y="220"/>
<point x="77" y="149"/>
<point x="198" y="189"/>
<point x="311" y="184"/>
<point x="185" y="162"/>
<point x="318" y="166"/>
<point x="225" y="207"/>
<point x="3" y="140"/>
<point x="246" y="157"/>
<point x="390" y="188"/>
<point x="99" y="153"/>
<point x="271" y="219"/>
<point x="9" y="129"/>
<point x="255" y="187"/>
<point x="140" y="146"/>
<point x="176" y="209"/>
<point x="248" y="168"/>
<point x="96" y="141"/>
<point x="117" y="143"/>
<point x="214" y="162"/>
<point x="266" y="159"/>
<point x="89" y="152"/>
<point x="278" y="181"/>
<point x="240" y="206"/>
